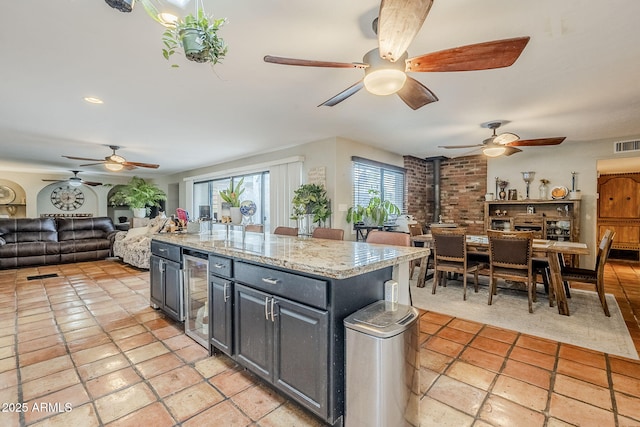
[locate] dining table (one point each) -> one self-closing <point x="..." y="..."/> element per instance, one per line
<point x="553" y="250"/>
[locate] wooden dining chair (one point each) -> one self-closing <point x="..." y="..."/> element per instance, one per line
<point x="595" y="276"/>
<point x="256" y="228"/>
<point x="328" y="233"/>
<point x="417" y="230"/>
<point x="391" y="238"/>
<point x="511" y="258"/>
<point x="286" y="231"/>
<point x="450" y="256"/>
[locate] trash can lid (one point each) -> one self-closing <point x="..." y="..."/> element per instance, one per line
<point x="382" y="318"/>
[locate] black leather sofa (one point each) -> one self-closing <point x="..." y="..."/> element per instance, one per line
<point x="42" y="241"/>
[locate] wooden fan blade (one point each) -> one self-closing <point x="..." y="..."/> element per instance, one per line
<point x="53" y="180"/>
<point x="460" y="146"/>
<point x="141" y="165"/>
<point x="93" y="164"/>
<point x="415" y="94"/>
<point x="312" y="63"/>
<point x="83" y="158"/>
<point x="398" y="24"/>
<point x="537" y="142"/>
<point x="90" y="183"/>
<point x="343" y="95"/>
<point x="511" y="150"/>
<point x="481" y="56"/>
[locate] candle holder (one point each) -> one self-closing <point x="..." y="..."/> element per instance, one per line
<point x="528" y="178"/>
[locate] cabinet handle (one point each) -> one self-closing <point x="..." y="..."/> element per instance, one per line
<point x="225" y="296"/>
<point x="272" y="315"/>
<point x="162" y="250"/>
<point x="266" y="308"/>
<point x="218" y="266"/>
<point x="270" y="281"/>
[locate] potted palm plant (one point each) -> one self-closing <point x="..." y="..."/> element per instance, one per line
<point x="310" y="205"/>
<point x="139" y="195"/>
<point x="198" y="36"/>
<point x="376" y="213"/>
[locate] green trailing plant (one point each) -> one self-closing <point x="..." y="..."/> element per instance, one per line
<point x="377" y="212"/>
<point x="198" y="35"/>
<point x="232" y="194"/>
<point x="311" y="199"/>
<point x="138" y="193"/>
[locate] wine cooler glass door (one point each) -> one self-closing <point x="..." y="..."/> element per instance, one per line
<point x="196" y="276"/>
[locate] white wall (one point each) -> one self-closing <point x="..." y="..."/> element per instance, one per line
<point x="333" y="153"/>
<point x="37" y="192"/>
<point x="556" y="163"/>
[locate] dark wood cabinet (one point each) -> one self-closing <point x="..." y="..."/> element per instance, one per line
<point x="166" y="287"/>
<point x="221" y="304"/>
<point x="221" y="307"/>
<point x="285" y="343"/>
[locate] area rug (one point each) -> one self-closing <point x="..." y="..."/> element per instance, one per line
<point x="586" y="327"/>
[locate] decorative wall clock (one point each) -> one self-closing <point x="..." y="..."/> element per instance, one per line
<point x="67" y="198"/>
<point x="7" y="195"/>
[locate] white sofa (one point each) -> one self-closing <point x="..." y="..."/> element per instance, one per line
<point x="134" y="246"/>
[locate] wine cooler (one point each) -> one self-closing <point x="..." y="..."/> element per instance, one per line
<point x="196" y="285"/>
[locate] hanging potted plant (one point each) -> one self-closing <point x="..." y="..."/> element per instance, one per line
<point x="139" y="196"/>
<point x="310" y="206"/>
<point x="198" y="36"/>
<point x="376" y="213"/>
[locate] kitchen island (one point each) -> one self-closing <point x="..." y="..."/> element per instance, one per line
<point x="277" y="303"/>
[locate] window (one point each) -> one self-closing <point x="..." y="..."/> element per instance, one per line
<point x="372" y="175"/>
<point x="208" y="203"/>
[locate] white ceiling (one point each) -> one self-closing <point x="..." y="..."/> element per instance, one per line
<point x="578" y="77"/>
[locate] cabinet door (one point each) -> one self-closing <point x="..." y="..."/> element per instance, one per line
<point x="156" y="272"/>
<point x="253" y="335"/>
<point x="302" y="353"/>
<point x="619" y="198"/>
<point x="173" y="290"/>
<point x="221" y="310"/>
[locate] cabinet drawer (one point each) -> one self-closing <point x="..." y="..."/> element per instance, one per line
<point x="220" y="266"/>
<point x="298" y="288"/>
<point x="165" y="250"/>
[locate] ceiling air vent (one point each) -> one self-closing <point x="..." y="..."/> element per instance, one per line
<point x="626" y="146"/>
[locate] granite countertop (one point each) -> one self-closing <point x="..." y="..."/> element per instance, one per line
<point x="336" y="259"/>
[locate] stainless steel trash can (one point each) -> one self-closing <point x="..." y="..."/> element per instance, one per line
<point x="382" y="375"/>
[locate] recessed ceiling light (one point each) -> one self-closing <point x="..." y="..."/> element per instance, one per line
<point x="167" y="19"/>
<point x="93" y="100"/>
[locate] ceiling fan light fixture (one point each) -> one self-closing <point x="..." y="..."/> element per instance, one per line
<point x="494" y="150"/>
<point x="385" y="81"/>
<point x="383" y="77"/>
<point x="116" y="159"/>
<point x="506" y="138"/>
<point x="114" y="167"/>
<point x="75" y="182"/>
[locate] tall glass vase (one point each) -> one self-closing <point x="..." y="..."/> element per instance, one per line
<point x="543" y="191"/>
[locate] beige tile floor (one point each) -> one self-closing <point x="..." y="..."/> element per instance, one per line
<point x="85" y="349"/>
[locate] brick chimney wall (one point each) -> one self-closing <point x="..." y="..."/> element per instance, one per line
<point x="462" y="188"/>
<point x="416" y="181"/>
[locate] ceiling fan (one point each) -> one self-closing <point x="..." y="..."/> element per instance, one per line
<point x="74" y="181"/>
<point x="386" y="68"/>
<point x="506" y="143"/>
<point x="114" y="162"/>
